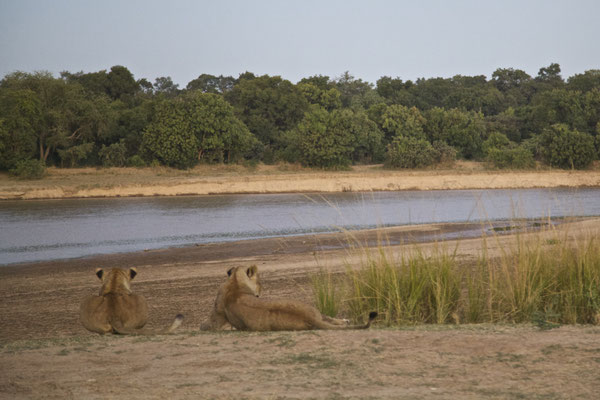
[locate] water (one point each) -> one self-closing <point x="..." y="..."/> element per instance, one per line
<point x="56" y="229"/>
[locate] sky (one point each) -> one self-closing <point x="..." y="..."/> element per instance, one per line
<point x="295" y="39"/>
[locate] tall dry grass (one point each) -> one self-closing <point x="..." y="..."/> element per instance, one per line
<point x="540" y="274"/>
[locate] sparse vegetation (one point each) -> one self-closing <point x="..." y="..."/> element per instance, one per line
<point x="539" y="280"/>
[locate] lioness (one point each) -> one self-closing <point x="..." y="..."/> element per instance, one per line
<point x="217" y="320"/>
<point x="246" y="311"/>
<point x="116" y="309"/>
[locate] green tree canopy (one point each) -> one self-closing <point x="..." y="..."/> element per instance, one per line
<point x="465" y="131"/>
<point x="567" y="148"/>
<point x="212" y="84"/>
<point x="169" y="137"/>
<point x="321" y="142"/>
<point x="120" y="83"/>
<point x="58" y="114"/>
<point x="584" y="82"/>
<point x="267" y="105"/>
<point x="197" y="126"/>
<point x="399" y="120"/>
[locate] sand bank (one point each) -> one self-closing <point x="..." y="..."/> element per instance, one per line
<point x="125" y="182"/>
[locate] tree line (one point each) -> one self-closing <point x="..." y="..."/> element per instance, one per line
<point x="108" y="118"/>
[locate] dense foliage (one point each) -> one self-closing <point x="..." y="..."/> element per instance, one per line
<point x="107" y="118"/>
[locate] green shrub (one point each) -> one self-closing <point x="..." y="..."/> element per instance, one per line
<point x="568" y="149"/>
<point x="75" y="155"/>
<point x="513" y="158"/>
<point x="495" y="140"/>
<point x="446" y="154"/>
<point x="113" y="155"/>
<point x="29" y="169"/>
<point x="136" y="161"/>
<point x="405" y="152"/>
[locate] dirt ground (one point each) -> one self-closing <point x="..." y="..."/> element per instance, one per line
<point x="46" y="353"/>
<point x="285" y="178"/>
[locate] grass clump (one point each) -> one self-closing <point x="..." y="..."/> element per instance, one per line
<point x="534" y="279"/>
<point x="327" y="292"/>
<point x="413" y="289"/>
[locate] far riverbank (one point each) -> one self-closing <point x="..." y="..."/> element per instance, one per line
<point x="235" y="179"/>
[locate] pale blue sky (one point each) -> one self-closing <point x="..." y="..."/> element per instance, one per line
<point x="296" y="39"/>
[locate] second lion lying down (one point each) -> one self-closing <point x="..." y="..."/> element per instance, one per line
<point x="238" y="302"/>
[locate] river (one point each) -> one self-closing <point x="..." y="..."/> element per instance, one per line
<point x="57" y="229"/>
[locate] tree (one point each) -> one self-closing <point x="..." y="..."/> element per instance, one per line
<point x="506" y="79"/>
<point x="329" y="99"/>
<point x="495" y="140"/>
<point x="356" y="93"/>
<point x="199" y="126"/>
<point x="399" y="120"/>
<point x="321" y="142"/>
<point x="221" y="135"/>
<point x="18" y="122"/>
<point x="550" y="76"/>
<point x="367" y="138"/>
<point x="462" y="130"/>
<point x="212" y="84"/>
<point x="114" y="155"/>
<point x="95" y="83"/>
<point x="394" y="91"/>
<point x="58" y="114"/>
<point x="567" y="148"/>
<point x="585" y="82"/>
<point x="321" y="81"/>
<point x="169" y="137"/>
<point x="429" y="93"/>
<point x="164" y="85"/>
<point x="410" y="152"/>
<point x="474" y="93"/>
<point x="558" y="106"/>
<point x="508" y="123"/>
<point x="267" y="105"/>
<point x="120" y="83"/>
<point x="515" y="84"/>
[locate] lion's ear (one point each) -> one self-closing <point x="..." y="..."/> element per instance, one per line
<point x="230" y="271"/>
<point x="132" y="273"/>
<point x="251" y="271"/>
<point x="99" y="273"/>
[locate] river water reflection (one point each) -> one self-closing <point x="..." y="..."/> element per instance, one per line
<point x="55" y="229"/>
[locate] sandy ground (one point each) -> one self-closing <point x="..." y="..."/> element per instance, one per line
<point x="45" y="353"/>
<point x="121" y="182"/>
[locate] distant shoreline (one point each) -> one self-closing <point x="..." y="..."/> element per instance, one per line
<point x="207" y="180"/>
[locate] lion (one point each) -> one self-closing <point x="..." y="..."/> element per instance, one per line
<point x="244" y="310"/>
<point x="217" y="320"/>
<point x="116" y="309"/>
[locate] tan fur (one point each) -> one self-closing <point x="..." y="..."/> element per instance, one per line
<point x="116" y="309"/>
<point x="245" y="311"/>
<point x="217" y="320"/>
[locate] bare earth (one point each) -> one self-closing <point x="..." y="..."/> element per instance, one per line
<point x="45" y="353"/>
<point x="121" y="182"/>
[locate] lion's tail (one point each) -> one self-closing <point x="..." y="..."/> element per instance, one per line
<point x="118" y="328"/>
<point x="372" y="316"/>
<point x="328" y="325"/>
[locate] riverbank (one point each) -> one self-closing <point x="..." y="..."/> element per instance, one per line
<point x="45" y="352"/>
<point x="235" y="179"/>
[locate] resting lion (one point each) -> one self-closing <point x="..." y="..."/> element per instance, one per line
<point x="116" y="309"/>
<point x="217" y="320"/>
<point x="246" y="311"/>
